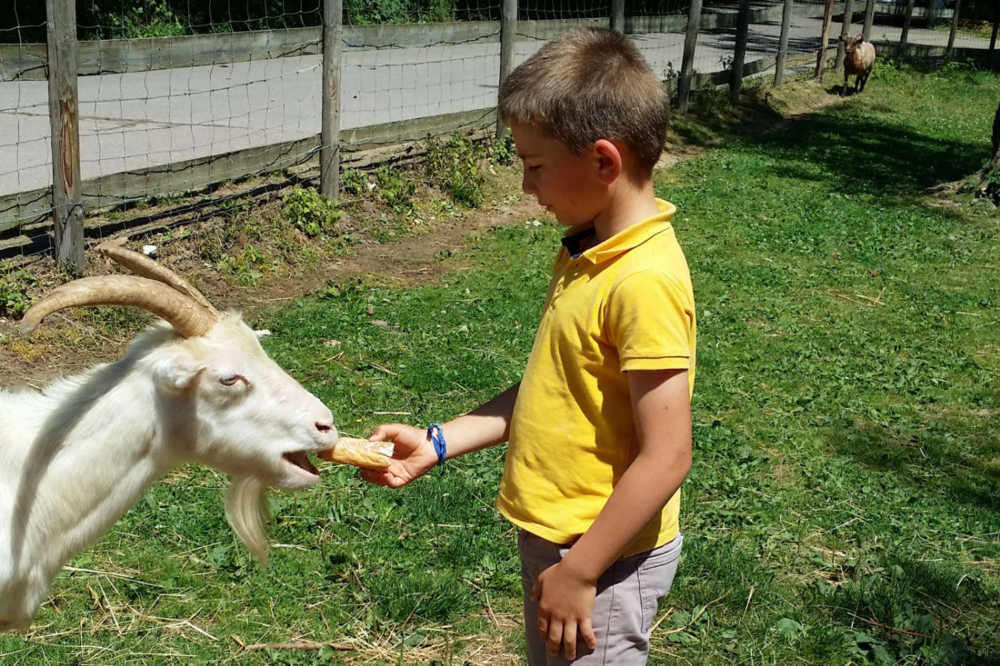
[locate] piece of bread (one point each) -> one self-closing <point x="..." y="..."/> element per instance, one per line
<point x="358" y="452"/>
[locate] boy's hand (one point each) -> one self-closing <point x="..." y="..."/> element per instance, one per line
<point x="413" y="455"/>
<point x="565" y="601"/>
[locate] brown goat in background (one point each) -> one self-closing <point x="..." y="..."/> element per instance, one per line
<point x="859" y="58"/>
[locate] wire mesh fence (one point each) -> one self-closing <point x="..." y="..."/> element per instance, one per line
<point x="24" y="117"/>
<point x="396" y="73"/>
<point x="174" y="97"/>
<point x="180" y="109"/>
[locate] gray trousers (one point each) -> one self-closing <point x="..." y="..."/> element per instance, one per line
<point x="628" y="594"/>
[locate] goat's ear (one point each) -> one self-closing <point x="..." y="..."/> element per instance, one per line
<point x="177" y="375"/>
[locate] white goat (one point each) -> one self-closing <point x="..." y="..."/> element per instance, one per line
<point x="197" y="387"/>
<point x="859" y="59"/>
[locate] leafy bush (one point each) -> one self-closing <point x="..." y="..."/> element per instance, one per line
<point x="353" y="182"/>
<point x="454" y="166"/>
<point x="14" y="300"/>
<point x="363" y="12"/>
<point x="149" y="19"/>
<point x="395" y="190"/>
<point x="247" y="267"/>
<point x="310" y="212"/>
<point x="502" y="151"/>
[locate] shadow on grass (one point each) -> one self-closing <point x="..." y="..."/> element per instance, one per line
<point x="862" y="155"/>
<point x="906" y="609"/>
<point x="916" y="601"/>
<point x="858" y="149"/>
<point x="942" y="459"/>
<point x="901" y="595"/>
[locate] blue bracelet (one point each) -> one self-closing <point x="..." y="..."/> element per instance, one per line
<point x="437" y="439"/>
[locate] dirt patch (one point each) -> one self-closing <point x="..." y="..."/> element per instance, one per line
<point x="67" y="344"/>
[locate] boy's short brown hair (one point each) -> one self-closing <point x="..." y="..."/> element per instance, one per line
<point x="587" y="85"/>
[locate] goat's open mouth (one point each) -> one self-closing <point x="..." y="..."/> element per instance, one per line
<point x="301" y="460"/>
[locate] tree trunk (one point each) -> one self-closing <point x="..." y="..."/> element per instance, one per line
<point x="993" y="38"/>
<point x="996" y="133"/>
<point x="989" y="176"/>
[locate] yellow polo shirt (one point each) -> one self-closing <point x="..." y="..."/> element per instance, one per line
<point x="623" y="304"/>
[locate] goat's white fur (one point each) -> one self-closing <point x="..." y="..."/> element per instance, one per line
<point x="75" y="456"/>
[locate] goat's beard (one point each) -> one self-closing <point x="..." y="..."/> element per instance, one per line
<point x="247" y="514"/>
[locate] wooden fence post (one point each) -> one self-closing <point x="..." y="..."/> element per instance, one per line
<point x="786" y="22"/>
<point x="64" y="120"/>
<point x="508" y="30"/>
<point x="954" y="28"/>
<point x="907" y="18"/>
<point x="866" y="33"/>
<point x="618" y="16"/>
<point x="740" y="52"/>
<point x="821" y="56"/>
<point x="687" y="64"/>
<point x="329" y="156"/>
<point x="845" y="30"/>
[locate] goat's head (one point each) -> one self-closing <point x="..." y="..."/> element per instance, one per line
<point x="227" y="404"/>
<point x="850" y="43"/>
<point x="219" y="398"/>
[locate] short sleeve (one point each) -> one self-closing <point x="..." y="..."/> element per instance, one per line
<point x="650" y="318"/>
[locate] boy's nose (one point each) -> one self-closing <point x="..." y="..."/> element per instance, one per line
<point x="526" y="185"/>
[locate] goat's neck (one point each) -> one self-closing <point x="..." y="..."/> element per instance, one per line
<point x="97" y="451"/>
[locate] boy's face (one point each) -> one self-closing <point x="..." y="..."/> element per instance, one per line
<point x="565" y="184"/>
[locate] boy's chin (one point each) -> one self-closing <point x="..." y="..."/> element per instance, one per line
<point x="568" y="220"/>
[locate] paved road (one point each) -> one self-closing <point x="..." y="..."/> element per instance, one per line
<point x="136" y="120"/>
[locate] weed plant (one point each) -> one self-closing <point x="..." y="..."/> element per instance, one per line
<point x="354" y="182"/>
<point x="310" y="212"/>
<point x="14" y="287"/>
<point x="455" y="167"/>
<point x="502" y="150"/>
<point x="395" y="189"/>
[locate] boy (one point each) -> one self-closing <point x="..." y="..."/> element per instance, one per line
<point x="599" y="427"/>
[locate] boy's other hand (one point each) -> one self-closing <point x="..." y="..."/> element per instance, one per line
<point x="412" y="457"/>
<point x="565" y="603"/>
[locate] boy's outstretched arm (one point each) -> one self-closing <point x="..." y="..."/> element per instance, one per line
<point x="565" y="591"/>
<point x="486" y="425"/>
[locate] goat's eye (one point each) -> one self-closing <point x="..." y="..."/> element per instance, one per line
<point x="230" y="381"/>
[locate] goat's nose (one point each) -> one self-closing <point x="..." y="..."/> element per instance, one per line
<point x="326" y="431"/>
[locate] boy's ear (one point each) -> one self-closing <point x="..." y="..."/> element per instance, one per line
<point x="609" y="160"/>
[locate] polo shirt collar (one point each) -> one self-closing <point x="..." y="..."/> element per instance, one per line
<point x="578" y="240"/>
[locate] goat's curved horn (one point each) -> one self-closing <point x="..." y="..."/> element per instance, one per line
<point x="142" y="265"/>
<point x="187" y="317"/>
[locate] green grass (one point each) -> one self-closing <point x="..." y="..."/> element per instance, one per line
<point x="846" y="469"/>
<point x="844" y="504"/>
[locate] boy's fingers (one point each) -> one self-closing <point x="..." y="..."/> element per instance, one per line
<point x="371" y="477"/>
<point x="587" y="634"/>
<point x="383" y="432"/>
<point x="536" y="593"/>
<point x="555" y="637"/>
<point x="569" y="641"/>
<point x="382" y="478"/>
